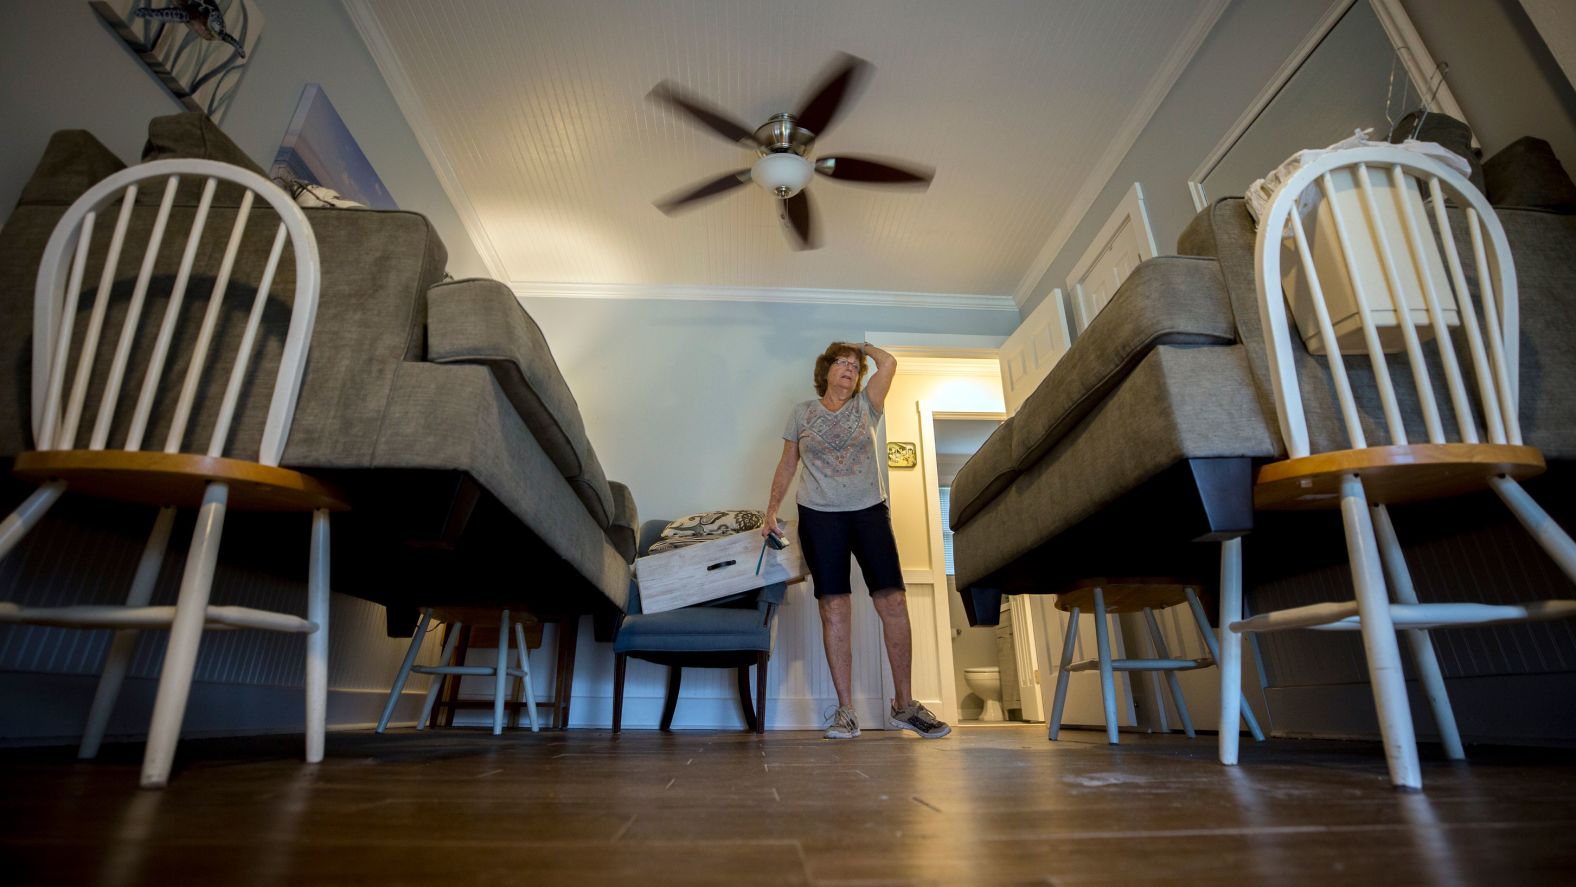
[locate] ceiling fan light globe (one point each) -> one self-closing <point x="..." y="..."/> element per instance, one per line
<point x="782" y="175"/>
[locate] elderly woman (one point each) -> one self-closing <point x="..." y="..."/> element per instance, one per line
<point x="843" y="512"/>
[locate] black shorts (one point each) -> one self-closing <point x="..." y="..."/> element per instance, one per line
<point x="829" y="537"/>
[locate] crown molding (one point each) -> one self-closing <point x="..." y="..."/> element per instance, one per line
<point x="932" y="366"/>
<point x="410" y="104"/>
<point x="1159" y="87"/>
<point x="695" y="293"/>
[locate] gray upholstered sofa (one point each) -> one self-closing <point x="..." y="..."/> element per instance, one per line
<point x="436" y="403"/>
<point x="1142" y="441"/>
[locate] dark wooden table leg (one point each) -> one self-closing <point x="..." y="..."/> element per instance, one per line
<point x="761" y="658"/>
<point x="564" y="678"/>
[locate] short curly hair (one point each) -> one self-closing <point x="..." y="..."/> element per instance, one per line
<point x="823" y="365"/>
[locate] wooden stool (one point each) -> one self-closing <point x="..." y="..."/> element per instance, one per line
<point x="1105" y="596"/>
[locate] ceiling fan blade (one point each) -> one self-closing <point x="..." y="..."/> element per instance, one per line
<point x="880" y="172"/>
<point x="712" y="118"/>
<point x="682" y="200"/>
<point x="846" y="75"/>
<point x="797" y="218"/>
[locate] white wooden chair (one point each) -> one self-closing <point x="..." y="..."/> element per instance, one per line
<point x="1390" y="230"/>
<point x="165" y="473"/>
<point x="500" y="671"/>
<point x="1102" y="597"/>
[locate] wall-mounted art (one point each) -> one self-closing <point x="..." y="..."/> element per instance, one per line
<point x="901" y="455"/>
<point x="319" y="151"/>
<point x="197" y="48"/>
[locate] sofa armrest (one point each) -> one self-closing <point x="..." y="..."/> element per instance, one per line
<point x="479" y="321"/>
<point x="1171" y="300"/>
<point x="626" y="521"/>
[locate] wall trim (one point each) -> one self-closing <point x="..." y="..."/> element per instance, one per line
<point x="48" y="709"/>
<point x="697" y="293"/>
<point x="981" y="367"/>
<point x="1187" y="46"/>
<point x="405" y="96"/>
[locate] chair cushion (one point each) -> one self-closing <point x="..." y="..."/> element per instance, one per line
<point x="626" y="522"/>
<point x="989" y="471"/>
<point x="695" y="629"/>
<point x="1172" y="300"/>
<point x="481" y="322"/>
<point x="1526" y="173"/>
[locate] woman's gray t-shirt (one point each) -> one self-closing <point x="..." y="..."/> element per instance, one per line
<point x="838" y="451"/>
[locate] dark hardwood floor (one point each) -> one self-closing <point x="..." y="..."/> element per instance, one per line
<point x="986" y="805"/>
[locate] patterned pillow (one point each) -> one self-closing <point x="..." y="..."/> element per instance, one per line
<point x="704" y="527"/>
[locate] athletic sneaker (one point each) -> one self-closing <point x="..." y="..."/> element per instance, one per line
<point x="844" y="725"/>
<point x="918" y="718"/>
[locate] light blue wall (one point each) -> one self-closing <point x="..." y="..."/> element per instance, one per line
<point x="1503" y="76"/>
<point x="1246" y="47"/>
<point x="61" y="68"/>
<point x="685" y="400"/>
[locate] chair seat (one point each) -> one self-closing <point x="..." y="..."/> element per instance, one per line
<point x="1124" y="595"/>
<point x="696" y="629"/>
<point x="1392" y="475"/>
<point x="179" y="479"/>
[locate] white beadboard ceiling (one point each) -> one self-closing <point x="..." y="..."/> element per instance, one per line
<point x="534" y="115"/>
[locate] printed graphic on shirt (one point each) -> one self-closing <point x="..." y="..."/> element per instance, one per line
<point x="842" y="441"/>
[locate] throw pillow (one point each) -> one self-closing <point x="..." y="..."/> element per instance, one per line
<point x="704" y="527"/>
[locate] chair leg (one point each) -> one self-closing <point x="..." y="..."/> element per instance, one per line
<point x="1423" y="655"/>
<point x="1171" y="676"/>
<point x="563" y="693"/>
<point x="1102" y="634"/>
<point x="620" y="662"/>
<point x="525" y="676"/>
<point x="1228" y="657"/>
<point x="745" y="703"/>
<point x="1062" y="675"/>
<point x="675" y="677"/>
<point x="501" y="673"/>
<point x="450" y="641"/>
<point x="125" y="642"/>
<point x="1537" y="521"/>
<point x="1212" y="644"/>
<point x="28" y="514"/>
<point x="761" y="658"/>
<point x="404" y="670"/>
<point x="180" y="656"/>
<point x="1379" y="643"/>
<point x="317" y="597"/>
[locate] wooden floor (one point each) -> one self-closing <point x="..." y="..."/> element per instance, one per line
<point x="994" y="805"/>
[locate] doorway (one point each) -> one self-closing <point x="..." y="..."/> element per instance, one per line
<point x="994" y="668"/>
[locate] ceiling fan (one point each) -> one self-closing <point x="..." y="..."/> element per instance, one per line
<point x="783" y="144"/>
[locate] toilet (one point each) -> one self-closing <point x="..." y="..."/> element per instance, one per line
<point x="986" y="684"/>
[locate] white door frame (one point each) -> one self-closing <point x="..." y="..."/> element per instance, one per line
<point x="938" y="558"/>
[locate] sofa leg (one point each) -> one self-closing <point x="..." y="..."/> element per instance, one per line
<point x="619" y="661"/>
<point x="675" y="677"/>
<point x="1225" y="492"/>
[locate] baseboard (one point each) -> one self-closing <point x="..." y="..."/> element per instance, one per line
<point x="1499" y="710"/>
<point x="48" y="709"/>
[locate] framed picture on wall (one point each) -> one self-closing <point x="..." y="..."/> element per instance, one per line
<point x="318" y="152"/>
<point x="199" y="49"/>
<point x="901" y="455"/>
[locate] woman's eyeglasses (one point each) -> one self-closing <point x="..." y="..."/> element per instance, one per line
<point x="845" y="362"/>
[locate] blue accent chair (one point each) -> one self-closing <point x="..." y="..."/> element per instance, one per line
<point x="734" y="632"/>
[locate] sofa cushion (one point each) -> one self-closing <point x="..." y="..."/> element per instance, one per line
<point x="73" y="162"/>
<point x="1172" y="300"/>
<point x="1526" y="173"/>
<point x="480" y="321"/>
<point x="989" y="471"/>
<point x="1449" y="133"/>
<point x="193" y="134"/>
<point x="626" y="522"/>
